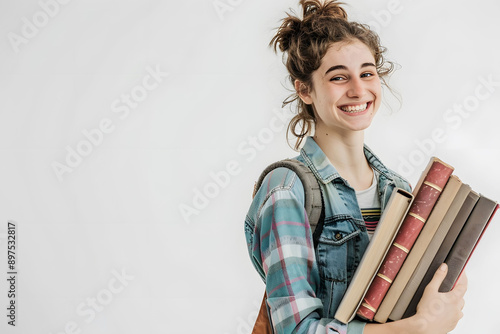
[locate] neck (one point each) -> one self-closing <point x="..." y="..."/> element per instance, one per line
<point x="346" y="153"/>
<point x="343" y="150"/>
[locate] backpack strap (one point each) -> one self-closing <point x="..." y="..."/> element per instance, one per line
<point x="313" y="198"/>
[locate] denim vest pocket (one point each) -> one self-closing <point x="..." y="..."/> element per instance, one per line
<point x="338" y="254"/>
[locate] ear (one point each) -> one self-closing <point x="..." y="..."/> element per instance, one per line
<point x="303" y="91"/>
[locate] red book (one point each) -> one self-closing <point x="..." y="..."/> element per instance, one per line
<point x="426" y="193"/>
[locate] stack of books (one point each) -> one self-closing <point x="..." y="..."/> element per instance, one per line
<point x="441" y="221"/>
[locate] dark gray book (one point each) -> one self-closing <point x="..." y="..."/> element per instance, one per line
<point x="466" y="242"/>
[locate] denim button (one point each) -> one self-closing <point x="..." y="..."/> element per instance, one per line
<point x="338" y="236"/>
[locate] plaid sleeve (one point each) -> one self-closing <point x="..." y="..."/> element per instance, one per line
<point x="282" y="251"/>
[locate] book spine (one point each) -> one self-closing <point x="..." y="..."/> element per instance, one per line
<point x="482" y="233"/>
<point x="428" y="193"/>
<point x="467" y="241"/>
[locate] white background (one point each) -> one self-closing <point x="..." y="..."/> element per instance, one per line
<point x="118" y="209"/>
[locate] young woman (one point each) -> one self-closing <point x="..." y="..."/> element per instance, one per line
<point x="337" y="68"/>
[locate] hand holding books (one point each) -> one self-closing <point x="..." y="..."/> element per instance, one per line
<point x="439" y="312"/>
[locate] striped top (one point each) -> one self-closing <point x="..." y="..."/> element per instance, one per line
<point x="371" y="217"/>
<point x="369" y="204"/>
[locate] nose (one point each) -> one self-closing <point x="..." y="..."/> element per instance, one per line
<point x="356" y="88"/>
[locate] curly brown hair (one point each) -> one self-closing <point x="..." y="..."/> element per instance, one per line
<point x="304" y="42"/>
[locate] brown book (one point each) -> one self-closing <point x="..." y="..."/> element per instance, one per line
<point x="462" y="205"/>
<point x="467" y="241"/>
<point x="431" y="225"/>
<point x="443" y="251"/>
<point x="389" y="223"/>
<point x="426" y="196"/>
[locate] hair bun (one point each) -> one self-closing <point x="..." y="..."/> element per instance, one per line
<point x="292" y="26"/>
<point x="287" y="33"/>
<point x="328" y="8"/>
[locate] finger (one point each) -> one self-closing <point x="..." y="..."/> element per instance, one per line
<point x="461" y="285"/>
<point x="461" y="304"/>
<point x="462" y="279"/>
<point x="438" y="277"/>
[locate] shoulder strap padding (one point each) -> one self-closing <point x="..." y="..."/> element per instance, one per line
<point x="312" y="191"/>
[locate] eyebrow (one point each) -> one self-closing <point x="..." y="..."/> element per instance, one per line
<point x="343" y="67"/>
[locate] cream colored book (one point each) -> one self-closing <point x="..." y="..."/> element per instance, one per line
<point x="424" y="238"/>
<point x="384" y="235"/>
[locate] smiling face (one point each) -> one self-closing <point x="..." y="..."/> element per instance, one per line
<point x="346" y="90"/>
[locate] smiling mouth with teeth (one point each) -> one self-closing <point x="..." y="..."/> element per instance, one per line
<point x="355" y="109"/>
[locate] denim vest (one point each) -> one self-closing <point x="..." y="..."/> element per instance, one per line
<point x="344" y="237"/>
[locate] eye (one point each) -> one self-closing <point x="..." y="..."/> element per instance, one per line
<point x="367" y="75"/>
<point x="337" y="78"/>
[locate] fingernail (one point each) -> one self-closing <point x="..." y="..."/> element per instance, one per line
<point x="442" y="267"/>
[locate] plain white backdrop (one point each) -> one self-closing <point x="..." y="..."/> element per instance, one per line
<point x="117" y="119"/>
